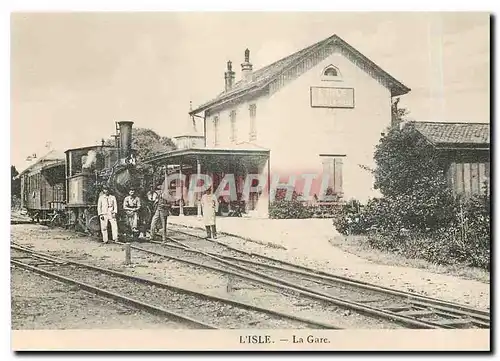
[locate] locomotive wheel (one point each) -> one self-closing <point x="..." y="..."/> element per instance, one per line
<point x="59" y="220"/>
<point x="94" y="226"/>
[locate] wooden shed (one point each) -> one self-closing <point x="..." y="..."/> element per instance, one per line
<point x="465" y="149"/>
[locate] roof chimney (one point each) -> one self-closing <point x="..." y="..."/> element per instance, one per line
<point x="229" y="76"/>
<point x="246" y="67"/>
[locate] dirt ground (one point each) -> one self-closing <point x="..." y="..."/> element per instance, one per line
<point x="42" y="303"/>
<point x="59" y="242"/>
<point x="70" y="245"/>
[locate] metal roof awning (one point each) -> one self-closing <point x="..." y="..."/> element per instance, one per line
<point x="210" y="157"/>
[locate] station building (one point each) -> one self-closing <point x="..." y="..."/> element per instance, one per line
<point x="316" y="114"/>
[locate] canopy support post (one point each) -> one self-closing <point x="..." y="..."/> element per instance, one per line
<point x="198" y="174"/>
<point x="181" y="185"/>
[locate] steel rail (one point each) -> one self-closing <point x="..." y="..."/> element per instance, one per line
<point x="301" y="288"/>
<point x="479" y="319"/>
<point x="431" y="300"/>
<point x="117" y="297"/>
<point x="446" y="311"/>
<point x="316" y="277"/>
<point x="277" y="283"/>
<point x="198" y="294"/>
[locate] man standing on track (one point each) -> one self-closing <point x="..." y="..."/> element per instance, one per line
<point x="161" y="209"/>
<point x="107" y="209"/>
<point x="210" y="206"/>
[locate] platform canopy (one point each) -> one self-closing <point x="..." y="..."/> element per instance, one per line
<point x="212" y="159"/>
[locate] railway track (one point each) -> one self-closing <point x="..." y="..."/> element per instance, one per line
<point x="406" y="308"/>
<point x="196" y="309"/>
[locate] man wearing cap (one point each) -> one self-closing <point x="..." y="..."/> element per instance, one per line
<point x="107" y="209"/>
<point x="161" y="209"/>
<point x="131" y="205"/>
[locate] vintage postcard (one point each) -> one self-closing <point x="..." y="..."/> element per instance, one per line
<point x="247" y="181"/>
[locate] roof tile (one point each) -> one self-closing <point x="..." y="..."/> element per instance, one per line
<point x="454" y="133"/>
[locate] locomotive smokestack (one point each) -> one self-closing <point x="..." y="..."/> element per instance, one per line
<point x="125" y="138"/>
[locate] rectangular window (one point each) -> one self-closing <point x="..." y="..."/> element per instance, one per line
<point x="253" y="125"/>
<point x="216" y="131"/>
<point x="232" y="117"/>
<point x="332" y="170"/>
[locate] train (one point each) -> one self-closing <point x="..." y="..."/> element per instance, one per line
<point x="64" y="192"/>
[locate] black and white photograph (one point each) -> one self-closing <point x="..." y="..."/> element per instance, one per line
<point x="250" y="180"/>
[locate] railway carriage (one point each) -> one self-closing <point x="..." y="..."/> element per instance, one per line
<point x="43" y="188"/>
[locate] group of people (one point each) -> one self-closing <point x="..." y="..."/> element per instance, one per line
<point x="107" y="210"/>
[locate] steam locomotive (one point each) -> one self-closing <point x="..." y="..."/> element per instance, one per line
<point x="64" y="192"/>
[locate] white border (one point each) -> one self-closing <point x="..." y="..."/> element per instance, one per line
<point x="186" y="5"/>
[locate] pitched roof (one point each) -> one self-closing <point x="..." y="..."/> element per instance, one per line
<point x="445" y="133"/>
<point x="264" y="76"/>
<point x="53" y="156"/>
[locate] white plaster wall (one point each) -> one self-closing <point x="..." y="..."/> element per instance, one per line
<point x="296" y="133"/>
<point x="242" y="124"/>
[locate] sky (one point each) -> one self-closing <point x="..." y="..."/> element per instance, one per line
<point x="74" y="74"/>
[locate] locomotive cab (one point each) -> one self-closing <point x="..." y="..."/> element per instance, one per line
<point x="83" y="171"/>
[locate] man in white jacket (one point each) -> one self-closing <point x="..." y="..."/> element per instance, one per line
<point x="107" y="209"/>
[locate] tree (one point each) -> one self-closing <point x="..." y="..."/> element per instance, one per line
<point x="410" y="175"/>
<point x="147" y="143"/>
<point x="15" y="184"/>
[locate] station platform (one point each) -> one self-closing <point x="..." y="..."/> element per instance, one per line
<point x="308" y="237"/>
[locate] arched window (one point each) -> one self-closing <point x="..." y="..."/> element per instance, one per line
<point x="331" y="72"/>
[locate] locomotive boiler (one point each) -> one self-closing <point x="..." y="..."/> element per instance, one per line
<point x="89" y="168"/>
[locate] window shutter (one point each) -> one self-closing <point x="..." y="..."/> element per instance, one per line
<point x="253" y="125"/>
<point x="338" y="175"/>
<point x="332" y="169"/>
<point x="216" y="131"/>
<point x="232" y="116"/>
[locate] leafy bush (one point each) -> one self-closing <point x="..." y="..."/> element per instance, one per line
<point x="463" y="237"/>
<point x="406" y="161"/>
<point x="282" y="208"/>
<point x="443" y="246"/>
<point x="289" y="209"/>
<point x="350" y="218"/>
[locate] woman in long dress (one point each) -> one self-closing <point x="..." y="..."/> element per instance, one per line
<point x="209" y="206"/>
